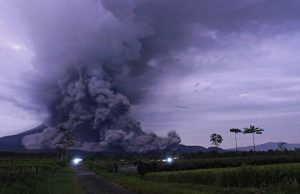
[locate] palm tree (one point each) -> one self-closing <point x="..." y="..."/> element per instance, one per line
<point x="216" y="139"/>
<point x="254" y="130"/>
<point x="235" y="131"/>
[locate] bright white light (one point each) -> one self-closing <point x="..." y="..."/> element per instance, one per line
<point x="169" y="160"/>
<point x="76" y="161"/>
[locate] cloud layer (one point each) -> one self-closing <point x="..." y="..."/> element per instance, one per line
<point x="195" y="66"/>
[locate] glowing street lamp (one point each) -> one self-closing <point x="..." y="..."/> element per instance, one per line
<point x="168" y="160"/>
<point x="76" y="161"/>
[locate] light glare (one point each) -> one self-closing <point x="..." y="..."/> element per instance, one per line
<point x="168" y="160"/>
<point x="76" y="161"/>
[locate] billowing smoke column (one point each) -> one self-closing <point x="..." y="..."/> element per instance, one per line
<point x="99" y="117"/>
<point x="92" y="58"/>
<point x="87" y="57"/>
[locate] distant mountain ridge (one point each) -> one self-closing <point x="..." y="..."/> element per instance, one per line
<point x="13" y="143"/>
<point x="268" y="146"/>
<point x="189" y="149"/>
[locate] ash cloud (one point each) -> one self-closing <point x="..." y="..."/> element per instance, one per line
<point x="93" y="59"/>
<point x="85" y="57"/>
<point x="98" y="116"/>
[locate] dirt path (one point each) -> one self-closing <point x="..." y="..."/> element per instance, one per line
<point x="94" y="184"/>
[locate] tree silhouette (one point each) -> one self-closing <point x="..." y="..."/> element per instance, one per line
<point x="254" y="130"/>
<point x="66" y="141"/>
<point x="216" y="139"/>
<point x="235" y="131"/>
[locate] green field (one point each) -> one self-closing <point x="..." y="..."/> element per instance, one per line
<point x="251" y="177"/>
<point x="249" y="180"/>
<point x="260" y="173"/>
<point x="36" y="176"/>
<point x="247" y="176"/>
<point x="225" y="162"/>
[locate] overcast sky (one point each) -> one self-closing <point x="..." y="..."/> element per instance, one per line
<point x="214" y="65"/>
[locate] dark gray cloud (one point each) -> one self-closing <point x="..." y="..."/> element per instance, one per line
<point x="80" y="59"/>
<point x="172" y="59"/>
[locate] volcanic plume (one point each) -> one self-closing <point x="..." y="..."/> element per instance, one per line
<point x="99" y="117"/>
<point x="94" y="66"/>
<point x="86" y="61"/>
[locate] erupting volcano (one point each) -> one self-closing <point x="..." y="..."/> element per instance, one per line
<point x="86" y="77"/>
<point x="98" y="115"/>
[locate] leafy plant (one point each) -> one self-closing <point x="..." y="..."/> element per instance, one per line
<point x="216" y="139"/>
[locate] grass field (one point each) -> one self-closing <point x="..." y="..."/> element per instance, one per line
<point x="148" y="186"/>
<point x="248" y="179"/>
<point x="220" y="174"/>
<point x="248" y="176"/>
<point x="36" y="177"/>
<point x="221" y="162"/>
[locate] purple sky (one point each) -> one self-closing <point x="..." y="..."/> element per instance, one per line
<point x="213" y="65"/>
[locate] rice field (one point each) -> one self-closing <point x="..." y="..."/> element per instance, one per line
<point x="250" y="177"/>
<point x="247" y="176"/>
<point x="36" y="177"/>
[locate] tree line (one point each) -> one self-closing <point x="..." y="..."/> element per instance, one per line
<point x="217" y="139"/>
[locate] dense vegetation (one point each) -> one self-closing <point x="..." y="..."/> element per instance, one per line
<point x="33" y="174"/>
<point x="205" y="161"/>
<point x="225" y="162"/>
<point x="202" y="173"/>
<point x="259" y="173"/>
<point x="142" y="186"/>
<point x="247" y="176"/>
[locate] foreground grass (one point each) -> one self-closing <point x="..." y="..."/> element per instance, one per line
<point x="227" y="162"/>
<point x="62" y="181"/>
<point x="137" y="184"/>
<point x="281" y="179"/>
<point x="248" y="176"/>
